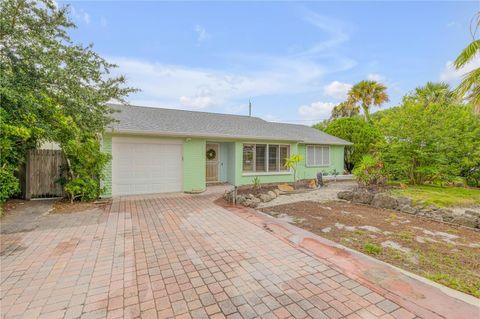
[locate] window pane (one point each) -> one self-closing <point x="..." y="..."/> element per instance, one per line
<point x="318" y="156"/>
<point x="310" y="156"/>
<point x="326" y="156"/>
<point x="261" y="156"/>
<point x="273" y="158"/>
<point x="248" y="157"/>
<point x="284" y="155"/>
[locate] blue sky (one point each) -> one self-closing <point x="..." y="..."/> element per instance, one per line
<point x="294" y="60"/>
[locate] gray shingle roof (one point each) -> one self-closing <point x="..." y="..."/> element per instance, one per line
<point x="171" y="122"/>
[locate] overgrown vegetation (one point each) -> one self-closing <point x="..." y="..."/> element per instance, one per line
<point x="52" y="90"/>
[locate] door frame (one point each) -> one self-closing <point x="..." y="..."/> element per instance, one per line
<point x="218" y="162"/>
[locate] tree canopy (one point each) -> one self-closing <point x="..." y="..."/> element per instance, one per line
<point x="367" y="93"/>
<point x="51" y="89"/>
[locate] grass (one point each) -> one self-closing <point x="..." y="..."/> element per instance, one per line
<point x="372" y="249"/>
<point x="441" y="196"/>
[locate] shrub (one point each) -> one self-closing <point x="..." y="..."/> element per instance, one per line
<point x="8" y="183"/>
<point x="369" y="172"/>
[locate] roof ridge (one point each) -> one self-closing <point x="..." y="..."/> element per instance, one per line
<point x="188" y="111"/>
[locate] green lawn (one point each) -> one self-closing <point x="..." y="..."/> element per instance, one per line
<point x="441" y="196"/>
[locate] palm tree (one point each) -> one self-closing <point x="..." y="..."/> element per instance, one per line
<point x="368" y="93"/>
<point x="469" y="88"/>
<point x="345" y="109"/>
<point x="432" y="93"/>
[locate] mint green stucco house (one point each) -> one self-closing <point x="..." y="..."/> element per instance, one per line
<point x="158" y="150"/>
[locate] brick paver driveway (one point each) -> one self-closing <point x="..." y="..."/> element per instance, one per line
<point x="172" y="256"/>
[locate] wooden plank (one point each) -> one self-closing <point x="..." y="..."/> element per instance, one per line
<point x="43" y="169"/>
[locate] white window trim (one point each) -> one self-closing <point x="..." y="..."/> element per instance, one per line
<point x="315" y="146"/>
<point x="268" y="172"/>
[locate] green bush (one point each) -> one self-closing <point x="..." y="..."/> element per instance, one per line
<point x="85" y="164"/>
<point x="370" y="171"/>
<point x="8" y="183"/>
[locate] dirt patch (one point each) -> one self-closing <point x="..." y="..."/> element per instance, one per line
<point x="64" y="206"/>
<point x="446" y="254"/>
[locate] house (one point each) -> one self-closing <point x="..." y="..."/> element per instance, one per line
<point x="158" y="150"/>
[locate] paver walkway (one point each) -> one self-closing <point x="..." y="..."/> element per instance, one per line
<point x="176" y="256"/>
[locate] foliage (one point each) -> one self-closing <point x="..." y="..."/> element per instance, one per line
<point x="372" y="249"/>
<point x="292" y="163"/>
<point x="50" y="88"/>
<point x="370" y="171"/>
<point x="345" y="109"/>
<point x="440" y="196"/>
<point x="429" y="144"/>
<point x="85" y="164"/>
<point x="368" y="93"/>
<point x="256" y="182"/>
<point x="363" y="136"/>
<point x="8" y="183"/>
<point x="432" y="93"/>
<point x="469" y="88"/>
<point x="321" y="125"/>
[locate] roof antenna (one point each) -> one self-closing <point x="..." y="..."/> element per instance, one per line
<point x="249" y="108"/>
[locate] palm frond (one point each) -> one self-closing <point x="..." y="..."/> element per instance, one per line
<point x="471" y="51"/>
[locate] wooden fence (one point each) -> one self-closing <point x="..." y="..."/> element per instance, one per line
<point x="42" y="171"/>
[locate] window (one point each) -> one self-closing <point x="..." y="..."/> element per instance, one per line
<point x="264" y="158"/>
<point x="318" y="155"/>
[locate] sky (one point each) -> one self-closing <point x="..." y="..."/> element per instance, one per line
<point x="293" y="60"/>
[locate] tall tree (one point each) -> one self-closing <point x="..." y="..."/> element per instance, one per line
<point x="345" y="109"/>
<point x="368" y="93"/>
<point x="469" y="88"/>
<point x="50" y="88"/>
<point x="432" y="93"/>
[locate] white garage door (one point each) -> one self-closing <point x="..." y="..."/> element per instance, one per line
<point x="143" y="166"/>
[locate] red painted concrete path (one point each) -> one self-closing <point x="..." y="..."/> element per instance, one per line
<point x="182" y="256"/>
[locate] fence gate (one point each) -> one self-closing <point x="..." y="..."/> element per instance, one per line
<point x="42" y="170"/>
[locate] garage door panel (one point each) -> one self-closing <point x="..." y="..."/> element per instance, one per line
<point x="146" y="167"/>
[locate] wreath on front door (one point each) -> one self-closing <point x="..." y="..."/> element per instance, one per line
<point x="211" y="154"/>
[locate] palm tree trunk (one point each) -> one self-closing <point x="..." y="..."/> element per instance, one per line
<point x="366" y="113"/>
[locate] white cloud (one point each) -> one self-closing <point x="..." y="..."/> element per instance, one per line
<point x="202" y="34"/>
<point x="375" y="77"/>
<point x="261" y="74"/>
<point x="450" y="74"/>
<point x="80" y="15"/>
<point x="316" y="111"/>
<point x="337" y="90"/>
<point x="180" y="86"/>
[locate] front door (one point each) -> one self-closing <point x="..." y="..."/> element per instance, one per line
<point x="212" y="162"/>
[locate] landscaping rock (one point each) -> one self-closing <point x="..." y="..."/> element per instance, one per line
<point x="382" y="200"/>
<point x="472" y="213"/>
<point x="240" y="199"/>
<point x="265" y="198"/>
<point x="346" y="195"/>
<point x="250" y="196"/>
<point x="272" y="194"/>
<point x="403" y="201"/>
<point x="253" y="203"/>
<point x="285" y="188"/>
<point x="362" y="198"/>
<point x="407" y="209"/>
<point x="277" y="191"/>
<point x="466" y="220"/>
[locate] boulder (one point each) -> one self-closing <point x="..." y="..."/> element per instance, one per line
<point x="382" y="200"/>
<point x="402" y="201"/>
<point x="472" y="213"/>
<point x="362" y="198"/>
<point x="253" y="203"/>
<point x="250" y="196"/>
<point x="277" y="191"/>
<point x="240" y="199"/>
<point x="346" y="195"/>
<point x="264" y="198"/>
<point x="407" y="209"/>
<point x="312" y="184"/>
<point x="272" y="194"/>
<point x="466" y="220"/>
<point x="285" y="188"/>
